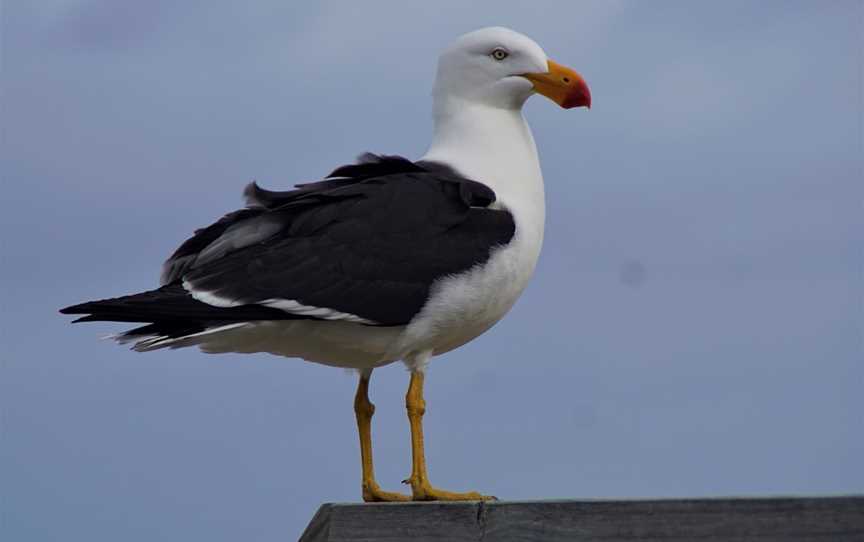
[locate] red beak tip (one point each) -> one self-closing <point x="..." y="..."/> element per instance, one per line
<point x="579" y="100"/>
<point x="579" y="96"/>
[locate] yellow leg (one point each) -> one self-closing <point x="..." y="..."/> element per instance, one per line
<point x="364" y="410"/>
<point x="421" y="489"/>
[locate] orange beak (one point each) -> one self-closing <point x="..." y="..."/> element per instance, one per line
<point x="562" y="85"/>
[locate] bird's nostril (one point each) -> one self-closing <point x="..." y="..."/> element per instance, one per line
<point x="566" y="79"/>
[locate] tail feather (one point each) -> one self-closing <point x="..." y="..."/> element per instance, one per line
<point x="170" y="314"/>
<point x="171" y="304"/>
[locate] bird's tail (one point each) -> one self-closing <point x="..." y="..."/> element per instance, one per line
<point x="170" y="314"/>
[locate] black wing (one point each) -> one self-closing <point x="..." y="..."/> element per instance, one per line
<point x="364" y="245"/>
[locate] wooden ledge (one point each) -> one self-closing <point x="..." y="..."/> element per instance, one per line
<point x="763" y="519"/>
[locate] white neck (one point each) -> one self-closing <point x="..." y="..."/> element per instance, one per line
<point x="493" y="146"/>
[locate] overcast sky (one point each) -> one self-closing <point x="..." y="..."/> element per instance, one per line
<point x="694" y="327"/>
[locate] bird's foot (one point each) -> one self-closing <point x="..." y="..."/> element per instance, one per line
<point x="372" y="492"/>
<point x="422" y="490"/>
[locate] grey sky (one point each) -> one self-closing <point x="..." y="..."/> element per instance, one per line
<point x="694" y="327"/>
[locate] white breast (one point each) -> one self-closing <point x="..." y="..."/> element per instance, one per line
<point x="462" y="307"/>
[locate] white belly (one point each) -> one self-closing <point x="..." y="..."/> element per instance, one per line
<point x="462" y="307"/>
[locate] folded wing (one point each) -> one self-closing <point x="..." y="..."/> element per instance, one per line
<point x="364" y="245"/>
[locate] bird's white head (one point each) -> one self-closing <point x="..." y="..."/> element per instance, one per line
<point x="500" y="68"/>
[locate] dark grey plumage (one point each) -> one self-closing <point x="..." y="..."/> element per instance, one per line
<point x="369" y="241"/>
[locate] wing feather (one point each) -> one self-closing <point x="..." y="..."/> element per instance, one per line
<point x="364" y="245"/>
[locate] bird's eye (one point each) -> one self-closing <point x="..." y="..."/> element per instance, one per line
<point x="499" y="53"/>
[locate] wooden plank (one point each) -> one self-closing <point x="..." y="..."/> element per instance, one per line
<point x="769" y="519"/>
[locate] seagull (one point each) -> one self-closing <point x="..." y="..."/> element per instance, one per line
<point x="385" y="259"/>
